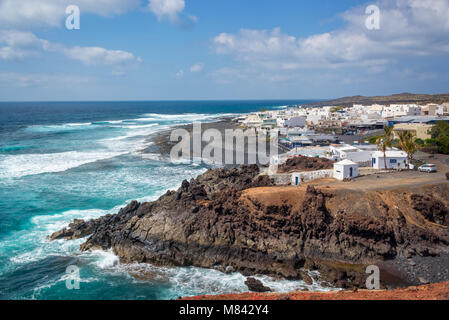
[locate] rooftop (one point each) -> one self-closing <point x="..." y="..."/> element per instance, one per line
<point x="346" y="162"/>
<point x="390" y="154"/>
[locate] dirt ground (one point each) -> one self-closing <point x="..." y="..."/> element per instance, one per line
<point x="392" y="180"/>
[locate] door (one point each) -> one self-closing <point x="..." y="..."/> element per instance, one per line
<point x="297" y="181"/>
<point x="351" y="171"/>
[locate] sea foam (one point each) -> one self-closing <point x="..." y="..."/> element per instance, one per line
<point x="16" y="166"/>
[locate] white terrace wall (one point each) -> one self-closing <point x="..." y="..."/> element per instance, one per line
<point x="282" y="179"/>
<point x="311" y="176"/>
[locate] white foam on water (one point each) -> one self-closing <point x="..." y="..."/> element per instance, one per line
<point x="105" y="259"/>
<point x="187" y="117"/>
<point x="152" y="156"/>
<point x="16" y="166"/>
<point x="33" y="244"/>
<point x="60" y="127"/>
<point x="37" y="292"/>
<point x="143" y="126"/>
<point x="191" y="281"/>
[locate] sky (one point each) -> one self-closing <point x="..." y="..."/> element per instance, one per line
<point x="221" y="50"/>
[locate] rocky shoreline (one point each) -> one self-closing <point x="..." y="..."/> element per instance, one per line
<point x="236" y="220"/>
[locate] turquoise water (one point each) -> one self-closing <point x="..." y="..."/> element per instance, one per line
<point x="63" y="161"/>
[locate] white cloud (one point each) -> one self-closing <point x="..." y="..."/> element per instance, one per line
<point x="198" y="67"/>
<point x="27" y="14"/>
<point x="171" y="10"/>
<point x="167" y="8"/>
<point x="179" y="74"/>
<point x="32" y="13"/>
<point x="193" y="19"/>
<point x="17" y="45"/>
<point x="408" y="28"/>
<point x="98" y="56"/>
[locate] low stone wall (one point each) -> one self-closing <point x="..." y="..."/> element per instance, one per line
<point x="289" y="178"/>
<point x="282" y="179"/>
<point x="312" y="175"/>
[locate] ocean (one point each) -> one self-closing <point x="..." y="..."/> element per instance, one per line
<point x="61" y="161"/>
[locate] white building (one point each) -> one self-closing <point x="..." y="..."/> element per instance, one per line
<point x="376" y="109"/>
<point x="401" y="110"/>
<point x="346" y="169"/>
<point x="361" y="155"/>
<point x="395" y="160"/>
<point x="252" y="120"/>
<point x="296" y="122"/>
<point x="441" y="110"/>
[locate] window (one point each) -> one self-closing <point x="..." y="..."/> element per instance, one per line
<point x="393" y="161"/>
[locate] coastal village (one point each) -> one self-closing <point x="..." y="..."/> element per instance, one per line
<point x="357" y="140"/>
<point x="353" y="187"/>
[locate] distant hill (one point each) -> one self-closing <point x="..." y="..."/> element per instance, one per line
<point x="393" y="99"/>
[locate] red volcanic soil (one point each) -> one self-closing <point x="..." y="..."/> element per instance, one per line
<point x="438" y="291"/>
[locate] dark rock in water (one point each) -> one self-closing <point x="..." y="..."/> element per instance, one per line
<point x="222" y="218"/>
<point x="76" y="230"/>
<point x="255" y="285"/>
<point x="229" y="269"/>
<point x="423" y="280"/>
<point x="306" y="278"/>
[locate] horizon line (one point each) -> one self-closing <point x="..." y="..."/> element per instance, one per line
<point x="162" y="100"/>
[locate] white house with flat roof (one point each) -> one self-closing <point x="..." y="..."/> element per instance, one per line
<point x="360" y="154"/>
<point x="346" y="169"/>
<point x="375" y="109"/>
<point x="401" y="110"/>
<point x="395" y="160"/>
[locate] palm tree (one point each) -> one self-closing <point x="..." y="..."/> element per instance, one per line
<point x="385" y="141"/>
<point x="407" y="143"/>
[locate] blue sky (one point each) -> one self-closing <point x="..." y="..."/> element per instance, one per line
<point x="209" y="49"/>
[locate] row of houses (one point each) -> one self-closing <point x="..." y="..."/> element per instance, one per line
<point x="369" y="156"/>
<point x="402" y="110"/>
<point x="347" y="169"/>
<point x="305" y="127"/>
<point x="365" y="155"/>
<point x="356" y="119"/>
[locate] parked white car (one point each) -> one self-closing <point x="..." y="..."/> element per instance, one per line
<point x="428" y="168"/>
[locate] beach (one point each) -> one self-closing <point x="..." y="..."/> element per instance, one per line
<point x="161" y="144"/>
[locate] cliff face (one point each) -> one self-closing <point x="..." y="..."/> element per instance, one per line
<point x="235" y="220"/>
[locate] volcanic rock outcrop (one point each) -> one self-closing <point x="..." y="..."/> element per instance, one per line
<point x="305" y="164"/>
<point x="237" y="219"/>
